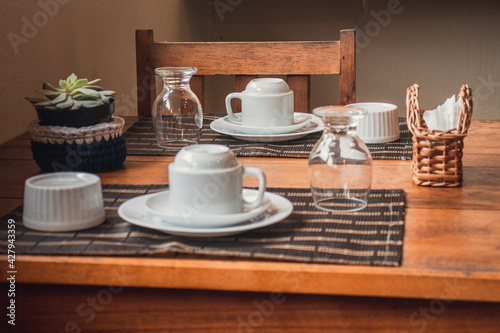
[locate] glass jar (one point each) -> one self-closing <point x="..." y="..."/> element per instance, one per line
<point x="340" y="164"/>
<point x="177" y="112"/>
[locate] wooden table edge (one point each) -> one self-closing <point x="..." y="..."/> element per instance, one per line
<point x="258" y="276"/>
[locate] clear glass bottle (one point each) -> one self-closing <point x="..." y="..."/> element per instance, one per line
<point x="177" y="112"/>
<point x="340" y="164"/>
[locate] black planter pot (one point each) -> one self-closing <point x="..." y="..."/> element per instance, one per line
<point x="76" y="118"/>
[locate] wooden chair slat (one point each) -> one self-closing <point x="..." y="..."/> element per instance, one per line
<point x="146" y="85"/>
<point x="197" y="85"/>
<point x="247" y="60"/>
<point x="347" y="80"/>
<point x="300" y="84"/>
<point x="250" y="58"/>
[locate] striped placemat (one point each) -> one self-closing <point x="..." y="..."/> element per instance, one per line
<point x="141" y="141"/>
<point x="373" y="236"/>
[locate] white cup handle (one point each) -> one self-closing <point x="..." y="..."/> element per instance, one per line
<point x="229" y="109"/>
<point x="262" y="186"/>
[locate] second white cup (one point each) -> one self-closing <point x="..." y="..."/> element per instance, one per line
<point x="265" y="102"/>
<point x="208" y="180"/>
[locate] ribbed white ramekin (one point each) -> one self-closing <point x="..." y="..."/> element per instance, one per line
<point x="381" y="123"/>
<point x="63" y="201"/>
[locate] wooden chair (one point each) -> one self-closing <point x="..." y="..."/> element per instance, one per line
<point x="246" y="60"/>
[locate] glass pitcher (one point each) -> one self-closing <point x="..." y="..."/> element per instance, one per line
<point x="177" y="112"/>
<point x="340" y="164"/>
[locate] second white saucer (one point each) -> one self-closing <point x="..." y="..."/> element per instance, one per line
<point x="315" y="125"/>
<point x="159" y="205"/>
<point x="299" y="120"/>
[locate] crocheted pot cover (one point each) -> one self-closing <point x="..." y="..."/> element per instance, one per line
<point x="94" y="148"/>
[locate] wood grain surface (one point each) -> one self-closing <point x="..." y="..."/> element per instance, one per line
<point x="347" y="82"/>
<point x="451" y="252"/>
<point x="264" y="58"/>
<point x="146" y="86"/>
<point x="300" y="85"/>
<point x="116" y="309"/>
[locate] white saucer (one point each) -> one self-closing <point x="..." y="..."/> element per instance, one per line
<point x="299" y="120"/>
<point x="315" y="125"/>
<point x="134" y="211"/>
<point x="159" y="205"/>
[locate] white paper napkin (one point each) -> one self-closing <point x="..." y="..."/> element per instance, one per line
<point x="444" y="117"/>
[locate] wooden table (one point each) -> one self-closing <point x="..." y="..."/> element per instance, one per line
<point x="449" y="279"/>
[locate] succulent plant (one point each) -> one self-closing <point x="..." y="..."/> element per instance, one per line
<point x="73" y="94"/>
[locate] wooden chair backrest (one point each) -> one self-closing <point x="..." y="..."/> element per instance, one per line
<point x="246" y="60"/>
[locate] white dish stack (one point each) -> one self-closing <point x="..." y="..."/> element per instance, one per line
<point x="381" y="123"/>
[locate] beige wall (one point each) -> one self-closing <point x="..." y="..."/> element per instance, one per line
<point x="438" y="44"/>
<point x="92" y="38"/>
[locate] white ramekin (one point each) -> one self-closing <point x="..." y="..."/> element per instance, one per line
<point x="63" y="201"/>
<point x="381" y="123"/>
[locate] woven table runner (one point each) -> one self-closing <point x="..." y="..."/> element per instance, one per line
<point x="373" y="236"/>
<point x="141" y="141"/>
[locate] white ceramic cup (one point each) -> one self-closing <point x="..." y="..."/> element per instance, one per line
<point x="208" y="180"/>
<point x="265" y="102"/>
<point x="63" y="201"/>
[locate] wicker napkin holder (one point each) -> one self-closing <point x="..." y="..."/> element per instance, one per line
<point x="95" y="148"/>
<point x="437" y="155"/>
